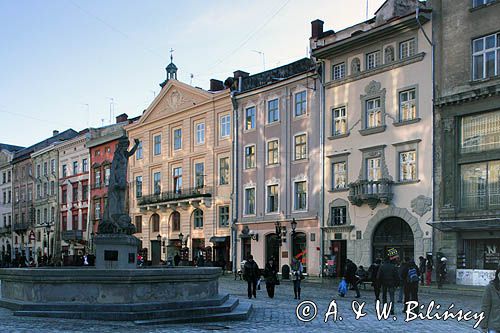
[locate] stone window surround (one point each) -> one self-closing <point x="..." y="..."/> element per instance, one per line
<point x="245" y="156"/>
<point x="270" y="182"/>
<point x="220" y="116"/>
<point x="153" y="171"/>
<point x="400" y="41"/>
<point x="338" y="158"/>
<point x="245" y="188"/>
<point x="193" y="168"/>
<point x="401" y="147"/>
<point x="374" y="152"/>
<point x="373" y="90"/>
<point x="219" y="158"/>
<point x="348" y="131"/>
<point x="269" y="99"/>
<point x="267" y="153"/>
<point x="294" y="147"/>
<point x="398" y="111"/>
<point x="219" y="215"/>
<point x="174" y="128"/>
<point x="195" y="131"/>
<point x="338" y="202"/>
<point x="342" y="62"/>
<point x="299" y="89"/>
<point x="297" y="179"/>
<point x="373" y="49"/>
<point x="245" y="108"/>
<point x="153" y="136"/>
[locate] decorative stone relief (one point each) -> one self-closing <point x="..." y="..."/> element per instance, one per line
<point x="273" y="180"/>
<point x="355" y="66"/>
<point x="299" y="177"/>
<point x="421" y="205"/>
<point x="249" y="184"/>
<point x="373" y="88"/>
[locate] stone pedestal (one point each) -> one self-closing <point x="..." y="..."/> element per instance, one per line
<point x="115" y="251"/>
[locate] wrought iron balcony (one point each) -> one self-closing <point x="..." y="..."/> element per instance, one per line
<point x="370" y="192"/>
<point x="173" y="196"/>
<point x="21" y="226"/>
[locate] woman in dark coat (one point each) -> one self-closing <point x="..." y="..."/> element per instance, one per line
<point x="491" y="305"/>
<point x="271" y="276"/>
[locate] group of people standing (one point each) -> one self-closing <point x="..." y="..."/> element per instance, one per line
<point x="252" y="274"/>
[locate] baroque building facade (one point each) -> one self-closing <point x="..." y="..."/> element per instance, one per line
<point x="467" y="132"/>
<point x="377" y="85"/>
<point x="277" y="169"/>
<point x="180" y="176"/>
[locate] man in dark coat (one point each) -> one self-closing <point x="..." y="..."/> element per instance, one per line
<point x="251" y="273"/>
<point x="389" y="279"/>
<point x="350" y="276"/>
<point x="410" y="279"/>
<point x="372" y="275"/>
<point x="421" y="267"/>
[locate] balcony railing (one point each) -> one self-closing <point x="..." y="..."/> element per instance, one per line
<point x="370" y="192"/>
<point x="172" y="196"/>
<point x="20" y="226"/>
<point x="72" y="235"/>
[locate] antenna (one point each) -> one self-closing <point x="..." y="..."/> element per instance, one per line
<point x="88" y="114"/>
<point x="191" y="81"/>
<point x="367" y="10"/>
<point x="263" y="58"/>
<point x="111" y="109"/>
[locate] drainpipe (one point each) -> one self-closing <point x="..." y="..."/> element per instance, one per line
<point x="322" y="162"/>
<point x="234" y="176"/>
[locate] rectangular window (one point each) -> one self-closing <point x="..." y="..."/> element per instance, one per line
<point x="272" y="198"/>
<point x="480" y="186"/>
<point x="250" y="201"/>
<point x="338" y="71"/>
<point x="250" y="118"/>
<point x="45" y="189"/>
<point x="177" y="139"/>
<point x="300" y="147"/>
<point x="157" y="183"/>
<point x="407" y="105"/>
<point x="224" y="171"/>
<point x="477" y="3"/>
<point x="339" y="126"/>
<point x="480" y="132"/>
<point x="138" y="152"/>
<point x="75" y="193"/>
<point x="38" y="171"/>
<point x="199" y="175"/>
<point x="107" y="175"/>
<point x="250" y="157"/>
<point x="85" y="192"/>
<point x="300" y="191"/>
<point x="138" y="186"/>
<point x="138" y="224"/>
<point x="225" y="126"/>
<point x="85" y="165"/>
<point x="97" y="209"/>
<point x="373" y="113"/>
<point x="97" y="178"/>
<point x="45" y="168"/>
<point x="74" y="222"/>
<point x="64" y="195"/>
<point x="407" y="48"/>
<point x="339" y="175"/>
<point x="52" y="188"/>
<point x="64" y="170"/>
<point x="408" y="166"/>
<point x="373" y="169"/>
<point x="300" y="103"/>
<point x="157" y="145"/>
<point x="39" y="191"/>
<point x="45" y="215"/>
<point x="223" y="216"/>
<point x="75" y="168"/>
<point x="53" y="166"/>
<point x="200" y="133"/>
<point x="273" y="112"/>
<point x="372" y="60"/>
<point x="486" y="57"/>
<point x="273" y="152"/>
<point x="339" y="215"/>
<point x="177" y="181"/>
<point x="64" y="223"/>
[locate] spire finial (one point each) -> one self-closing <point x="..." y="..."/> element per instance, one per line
<point x="171" y="55"/>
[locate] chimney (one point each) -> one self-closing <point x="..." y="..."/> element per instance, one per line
<point x="55" y="132"/>
<point x="317" y="29"/>
<point x="239" y="73"/>
<point x="121" y="118"/>
<point x="216" y="85"/>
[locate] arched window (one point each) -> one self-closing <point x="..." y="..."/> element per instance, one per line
<point x="175" y="221"/>
<point x="198" y="218"/>
<point x="155" y="223"/>
<point x="355" y="66"/>
<point x="389" y="54"/>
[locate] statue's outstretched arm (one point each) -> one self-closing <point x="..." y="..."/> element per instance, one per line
<point x="134" y="148"/>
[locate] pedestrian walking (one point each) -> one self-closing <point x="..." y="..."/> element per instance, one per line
<point x="410" y="279"/>
<point x="403" y="267"/>
<point x="442" y="271"/>
<point x="297" y="276"/>
<point x="372" y="276"/>
<point x="491" y="305"/>
<point x="271" y="276"/>
<point x="350" y="276"/>
<point x="389" y="278"/>
<point x="421" y="268"/>
<point x="428" y="272"/>
<point x="251" y="274"/>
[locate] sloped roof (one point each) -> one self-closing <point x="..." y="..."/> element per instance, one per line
<point x="11" y="148"/>
<point x="26" y="152"/>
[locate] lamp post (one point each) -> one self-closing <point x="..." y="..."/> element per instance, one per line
<point x="158" y="239"/>
<point x="47" y="226"/>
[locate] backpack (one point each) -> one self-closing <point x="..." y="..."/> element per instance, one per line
<point x="342" y="288"/>
<point x="412" y="275"/>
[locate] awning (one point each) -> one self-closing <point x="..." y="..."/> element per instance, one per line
<point x="492" y="224"/>
<point x="218" y="239"/>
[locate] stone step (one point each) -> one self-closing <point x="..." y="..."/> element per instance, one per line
<point x="78" y="307"/>
<point x="139" y="314"/>
<point x="241" y="312"/>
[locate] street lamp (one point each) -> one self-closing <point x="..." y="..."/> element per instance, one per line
<point x="47" y="226"/>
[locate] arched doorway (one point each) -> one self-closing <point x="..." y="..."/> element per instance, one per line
<point x="272" y="248"/>
<point x="155" y="224"/>
<point x="299" y="248"/>
<point x="393" y="232"/>
<point x="175" y="222"/>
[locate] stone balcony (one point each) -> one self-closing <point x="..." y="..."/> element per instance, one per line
<point x="5" y="230"/>
<point x="173" y="199"/>
<point x="371" y="192"/>
<point x="21" y="226"/>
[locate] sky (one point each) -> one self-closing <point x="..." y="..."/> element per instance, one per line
<point x="70" y="63"/>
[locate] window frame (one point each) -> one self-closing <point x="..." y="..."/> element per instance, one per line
<point x="225" y="126"/>
<point x="275" y="111"/>
<point x="177" y="139"/>
<point x="196" y="219"/>
<point x="254" y="159"/>
<point x="220" y="214"/>
<point x="200" y="130"/>
<point x="346" y="180"/>
<point x="253" y="118"/>
<point x="245" y="198"/>
<point x="305" y="144"/>
<point x="138" y="186"/>
<point x="404" y="90"/>
<point x="275" y="152"/>
<point x="295" y="196"/>
<point x="409" y="53"/>
<point x="302" y="103"/>
<point x="340" y="74"/>
<point x="277" y="194"/>
<point x="228" y="176"/>
<point x="377" y="60"/>
<point x="483" y="52"/>
<point x="334" y="118"/>
<point x="156" y="145"/>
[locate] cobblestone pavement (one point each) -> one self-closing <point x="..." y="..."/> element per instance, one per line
<point x="274" y="315"/>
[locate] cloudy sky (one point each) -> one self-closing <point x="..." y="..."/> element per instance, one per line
<point x="66" y="63"/>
